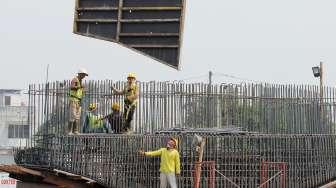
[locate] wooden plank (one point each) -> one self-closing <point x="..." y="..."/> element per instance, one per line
<point x="72" y="176"/>
<point x="19" y="170"/>
<point x="32" y="172"/>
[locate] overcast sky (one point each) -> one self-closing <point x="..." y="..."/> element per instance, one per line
<point x="262" y="40"/>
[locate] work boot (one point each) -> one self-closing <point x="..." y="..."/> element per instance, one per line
<point x="70" y="127"/>
<point x="129" y="131"/>
<point x="76" y="127"/>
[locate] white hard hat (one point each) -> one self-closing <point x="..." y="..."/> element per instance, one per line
<point x="83" y="71"/>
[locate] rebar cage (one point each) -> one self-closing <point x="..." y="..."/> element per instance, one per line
<point x="245" y="126"/>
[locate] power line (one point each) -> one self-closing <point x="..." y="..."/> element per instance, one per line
<point x="191" y="78"/>
<point x="195" y="77"/>
<point x="235" y="77"/>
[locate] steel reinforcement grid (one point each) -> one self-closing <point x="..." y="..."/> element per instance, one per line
<point x="282" y="134"/>
<point x="239" y="160"/>
<point x="262" y="108"/>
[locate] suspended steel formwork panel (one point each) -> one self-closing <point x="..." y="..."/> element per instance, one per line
<point x="151" y="27"/>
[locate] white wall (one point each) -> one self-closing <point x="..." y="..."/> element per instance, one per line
<point x="15" y="100"/>
<point x="15" y="114"/>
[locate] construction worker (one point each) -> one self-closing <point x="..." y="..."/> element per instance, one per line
<point x="115" y="118"/>
<point x="76" y="94"/>
<point x="169" y="163"/>
<point x="93" y="122"/>
<point x="131" y="92"/>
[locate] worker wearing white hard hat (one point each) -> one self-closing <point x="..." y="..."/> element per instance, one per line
<point x="83" y="71"/>
<point x="76" y="94"/>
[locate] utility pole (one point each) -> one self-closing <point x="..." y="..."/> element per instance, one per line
<point x="318" y="72"/>
<point x="209" y="111"/>
<point x="47" y="74"/>
<point x="210" y="77"/>
<point x="321" y="85"/>
<point x="321" y="95"/>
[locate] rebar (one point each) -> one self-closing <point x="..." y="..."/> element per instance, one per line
<point x="113" y="160"/>
<point x="243" y="125"/>
<point x="263" y="108"/>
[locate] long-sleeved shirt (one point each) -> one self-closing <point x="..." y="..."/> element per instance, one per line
<point x="115" y="121"/>
<point x="93" y="125"/>
<point x="170" y="160"/>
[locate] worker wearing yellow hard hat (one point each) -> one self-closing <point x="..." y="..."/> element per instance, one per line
<point x="92" y="106"/>
<point x="93" y="122"/>
<point x="115" y="118"/>
<point x="75" y="97"/>
<point x="169" y="162"/>
<point x="131" y="92"/>
<point x="116" y="106"/>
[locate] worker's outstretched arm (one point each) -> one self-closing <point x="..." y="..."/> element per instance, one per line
<point x="153" y="153"/>
<point x="105" y="117"/>
<point x="177" y="163"/>
<point x="116" y="91"/>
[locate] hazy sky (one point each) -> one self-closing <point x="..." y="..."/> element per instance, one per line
<point x="262" y="40"/>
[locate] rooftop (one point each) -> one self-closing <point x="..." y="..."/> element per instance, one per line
<point x="11" y="91"/>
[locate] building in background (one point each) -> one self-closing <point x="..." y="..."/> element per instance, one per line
<point x="14" y="128"/>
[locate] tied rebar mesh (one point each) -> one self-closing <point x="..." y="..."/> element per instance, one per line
<point x="244" y="125"/>
<point x="263" y="108"/>
<point x="113" y="160"/>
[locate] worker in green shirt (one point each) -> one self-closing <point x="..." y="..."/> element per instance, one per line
<point x="169" y="163"/>
<point x="93" y="122"/>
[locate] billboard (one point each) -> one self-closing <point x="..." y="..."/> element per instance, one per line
<point x="151" y="27"/>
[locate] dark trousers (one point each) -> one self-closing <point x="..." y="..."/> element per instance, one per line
<point x="129" y="110"/>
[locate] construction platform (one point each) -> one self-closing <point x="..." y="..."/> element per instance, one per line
<point x="257" y="135"/>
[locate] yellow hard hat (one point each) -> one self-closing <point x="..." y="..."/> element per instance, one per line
<point x="92" y="106"/>
<point x="115" y="106"/>
<point x="131" y="75"/>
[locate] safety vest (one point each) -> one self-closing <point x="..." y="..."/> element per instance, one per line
<point x="76" y="94"/>
<point x="94" y="123"/>
<point x="129" y="91"/>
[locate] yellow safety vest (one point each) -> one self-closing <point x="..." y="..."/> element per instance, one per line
<point x="94" y="123"/>
<point x="76" y="95"/>
<point x="129" y="91"/>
